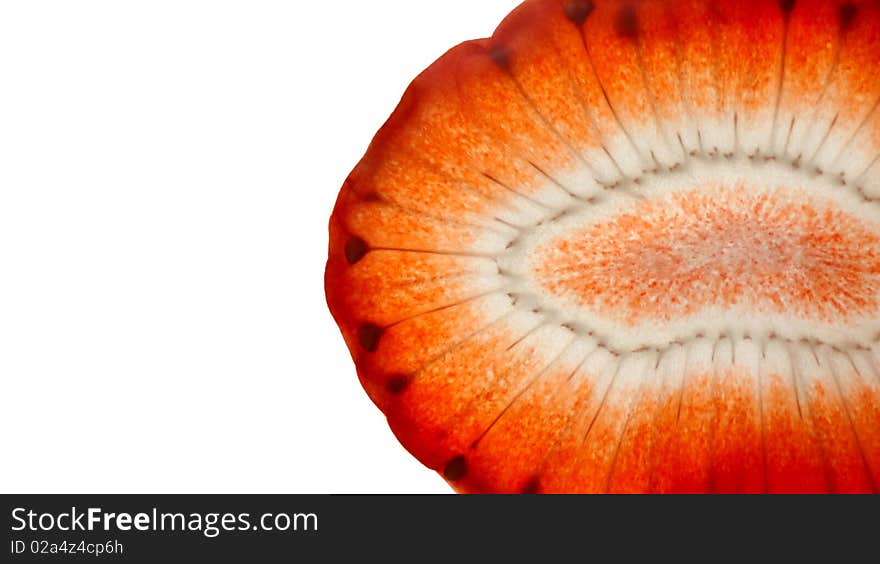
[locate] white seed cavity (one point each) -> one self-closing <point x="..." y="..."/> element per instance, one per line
<point x="540" y="223"/>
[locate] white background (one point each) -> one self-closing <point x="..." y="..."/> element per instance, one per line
<point x="167" y="170"/>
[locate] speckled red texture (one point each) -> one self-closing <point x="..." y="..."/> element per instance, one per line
<point x="671" y="258"/>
